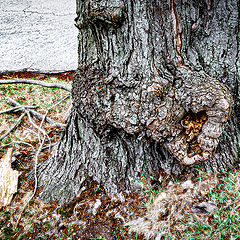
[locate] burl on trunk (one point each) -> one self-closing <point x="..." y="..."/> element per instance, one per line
<point x="155" y="91"/>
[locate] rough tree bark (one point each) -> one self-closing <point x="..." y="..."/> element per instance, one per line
<point x="157" y="89"/>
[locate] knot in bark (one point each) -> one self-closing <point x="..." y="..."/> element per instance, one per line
<point x="100" y="12"/>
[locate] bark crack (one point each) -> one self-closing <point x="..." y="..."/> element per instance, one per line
<point x="176" y="32"/>
<point x="237" y="40"/>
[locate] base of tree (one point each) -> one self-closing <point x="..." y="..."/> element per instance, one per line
<point x="115" y="160"/>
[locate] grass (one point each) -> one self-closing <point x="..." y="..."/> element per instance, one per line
<point x="224" y="222"/>
<point x="31" y="95"/>
<point x="41" y="97"/>
<point x="222" y="189"/>
<point x="149" y="190"/>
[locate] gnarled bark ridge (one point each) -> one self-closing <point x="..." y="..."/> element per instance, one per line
<point x="155" y="90"/>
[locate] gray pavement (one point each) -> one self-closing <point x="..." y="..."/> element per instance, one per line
<point x="38" y="35"/>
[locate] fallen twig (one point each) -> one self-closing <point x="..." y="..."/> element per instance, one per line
<point x="63" y="99"/>
<point x="35" y="82"/>
<point x="67" y="114"/>
<point x="40" y="129"/>
<point x="49" y="120"/>
<point x="30" y="130"/>
<point x="45" y="115"/>
<point x="36" y="183"/>
<point x="13" y="127"/>
<point x="50" y="145"/>
<point x="36" y="114"/>
<point x="35" y="125"/>
<point x="15" y="109"/>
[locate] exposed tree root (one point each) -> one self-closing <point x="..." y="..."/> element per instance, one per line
<point x="35" y="82"/>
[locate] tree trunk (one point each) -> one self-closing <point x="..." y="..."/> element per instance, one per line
<point x="157" y="89"/>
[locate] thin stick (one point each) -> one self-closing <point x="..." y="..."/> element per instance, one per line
<point x="25" y="143"/>
<point x="65" y="118"/>
<point x="35" y="169"/>
<point x="36" y="183"/>
<point x="13" y="127"/>
<point x="63" y="99"/>
<point x="30" y="130"/>
<point x="45" y="115"/>
<point x="36" y="114"/>
<point x="50" y="145"/>
<point x="10" y="110"/>
<point x="34" y="124"/>
<point x="38" y="128"/>
<point x="15" y="109"/>
<point x="35" y="82"/>
<point x="49" y="120"/>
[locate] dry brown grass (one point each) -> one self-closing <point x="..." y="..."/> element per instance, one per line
<point x="208" y="208"/>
